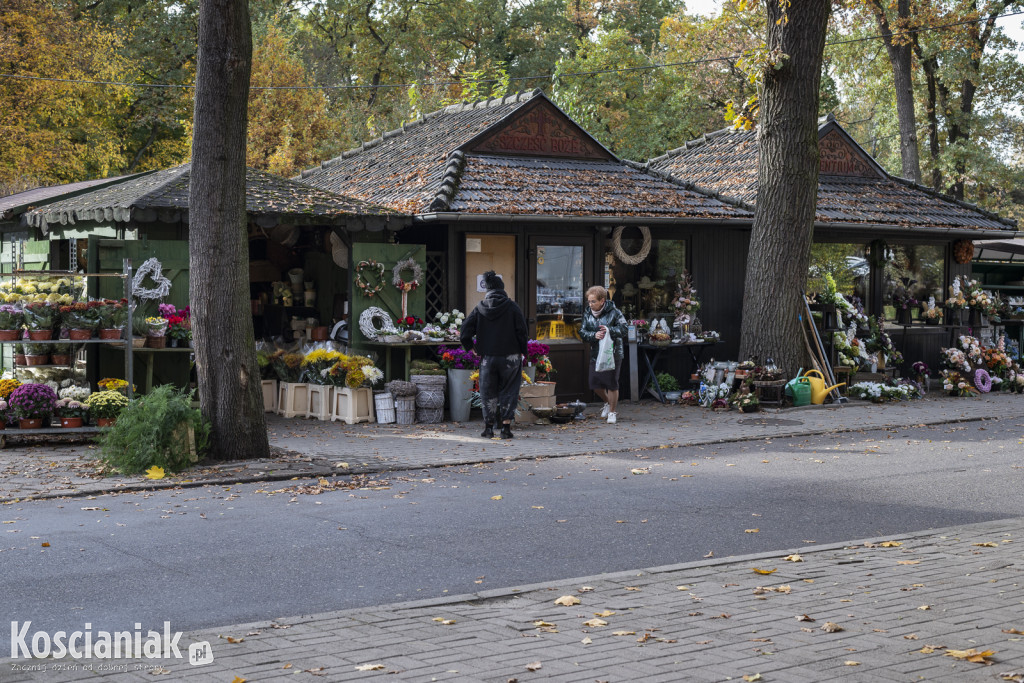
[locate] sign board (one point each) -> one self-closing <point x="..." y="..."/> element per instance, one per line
<point x="839" y="157"/>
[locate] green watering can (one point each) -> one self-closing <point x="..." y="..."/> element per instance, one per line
<point x="802" y="391"/>
<point x="793" y="382"/>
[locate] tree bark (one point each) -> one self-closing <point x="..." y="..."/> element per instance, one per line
<point x="901" y="59"/>
<point x="229" y="380"/>
<point x="787" y="175"/>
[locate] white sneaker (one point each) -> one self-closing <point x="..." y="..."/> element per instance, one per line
<point x="611" y="418"/>
<point x="604" y="411"/>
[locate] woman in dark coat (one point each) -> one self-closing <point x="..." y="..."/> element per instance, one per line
<point x="500" y="330"/>
<point x="600" y="318"/>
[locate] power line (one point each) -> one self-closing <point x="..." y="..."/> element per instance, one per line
<point x="595" y="72"/>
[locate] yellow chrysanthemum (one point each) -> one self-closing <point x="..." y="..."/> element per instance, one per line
<point x="355" y="378"/>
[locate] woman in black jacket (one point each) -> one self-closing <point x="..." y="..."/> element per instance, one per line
<point x="601" y="318"/>
<point x="500" y="330"/>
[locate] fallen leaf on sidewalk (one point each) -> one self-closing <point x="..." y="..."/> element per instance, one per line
<point x="804" y="617"/>
<point x="850" y="662"/>
<point x="908" y="562"/>
<point x="543" y="624"/>
<point x="606" y="613"/>
<point x="623" y="633"/>
<point x="924" y="608"/>
<point x="160" y="671"/>
<point x="495" y="497"/>
<point x="793" y="558"/>
<point x="155" y="472"/>
<point x="534" y="666"/>
<point x="45" y="544"/>
<point x="751" y="531"/>
<point x="831" y="627"/>
<point x="369" y="667"/>
<point x="711" y="553"/>
<point x="233" y="640"/>
<point x="567" y="601"/>
<point x="640" y="470"/>
<point x="594" y="623"/>
<point x="585" y="589"/>
<point x="1013" y="676"/>
<point x="928" y="649"/>
<point x="890" y="544"/>
<point x="752" y="677"/>
<point x="632" y="588"/>
<point x="986" y="545"/>
<point x="972" y="655"/>
<point x="587" y="641"/>
<point x="443" y="621"/>
<point x="1014" y="631"/>
<point x="910" y="636"/>
<point x="764" y="571"/>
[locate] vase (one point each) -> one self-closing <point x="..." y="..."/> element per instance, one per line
<point x="10" y="335"/>
<point x="105" y="421"/>
<point x="460" y="386"/>
<point x="110" y="333"/>
<point x="37" y="360"/>
<point x="71" y="422"/>
<point x="79" y="334"/>
<point x="903" y="316"/>
<point x="30" y="423"/>
<point x="174" y="343"/>
<point x="156" y="342"/>
<point x="60" y="359"/>
<point x="531" y="371"/>
<point x="40" y="335"/>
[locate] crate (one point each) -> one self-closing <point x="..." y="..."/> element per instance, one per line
<point x="352" y="406"/>
<point x="318" y="401"/>
<point x="269" y="395"/>
<point x="292" y="398"/>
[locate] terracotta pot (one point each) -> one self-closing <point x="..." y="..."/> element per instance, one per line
<point x="30" y="423"/>
<point x="60" y="359"/>
<point x="71" y="422"/>
<point x="112" y="333"/>
<point x="156" y="342"/>
<point x="37" y="360"/>
<point x="3" y="425"/>
<point x="19" y="359"/>
<point x="40" y="335"/>
<point x="105" y="421"/>
<point x="10" y="335"/>
<point x="320" y="333"/>
<point x="79" y="335"/>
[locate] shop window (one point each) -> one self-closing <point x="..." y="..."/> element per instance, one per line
<point x="646" y="290"/>
<point x="559" y="293"/>
<point x="846" y="263"/>
<point x="913" y="272"/>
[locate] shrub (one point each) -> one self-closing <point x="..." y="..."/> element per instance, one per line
<point x="153" y="430"/>
<point x="667" y="382"/>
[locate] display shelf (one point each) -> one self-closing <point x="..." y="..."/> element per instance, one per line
<point x="94" y="340"/>
<point x="14" y="432"/>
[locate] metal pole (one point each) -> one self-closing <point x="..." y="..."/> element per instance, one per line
<point x="129" y="351"/>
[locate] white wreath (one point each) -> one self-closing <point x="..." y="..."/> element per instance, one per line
<point x="636" y="258"/>
<point x="367" y="318"/>
<point x="407" y="285"/>
<point x="153" y="269"/>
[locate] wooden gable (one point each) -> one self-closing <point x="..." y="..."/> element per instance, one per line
<point x="840" y="157"/>
<point x="539" y="130"/>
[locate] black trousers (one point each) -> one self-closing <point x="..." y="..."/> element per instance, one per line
<point x="500" y="377"/>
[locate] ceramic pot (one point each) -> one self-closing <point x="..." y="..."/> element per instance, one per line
<point x="37" y="360"/>
<point x="10" y="335"/>
<point x="79" y="335"/>
<point x="112" y="333"/>
<point x="19" y="359"/>
<point x="71" y="422"/>
<point x="30" y="423"/>
<point x="105" y="421"/>
<point x="40" y="335"/>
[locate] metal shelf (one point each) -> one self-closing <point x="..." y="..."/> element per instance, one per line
<point x="95" y="340"/>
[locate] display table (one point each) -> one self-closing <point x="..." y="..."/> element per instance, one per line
<point x="148" y="357"/>
<point x="407" y="346"/>
<point x="652" y="353"/>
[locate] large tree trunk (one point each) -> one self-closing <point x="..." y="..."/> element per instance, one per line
<point x="901" y="58"/>
<point x="787" y="176"/>
<point x="229" y="380"/>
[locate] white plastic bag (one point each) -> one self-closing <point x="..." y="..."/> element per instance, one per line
<point x="605" y="354"/>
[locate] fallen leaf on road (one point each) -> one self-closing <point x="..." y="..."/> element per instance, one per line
<point x="764" y="571"/>
<point x="986" y="545"/>
<point x="369" y="667"/>
<point x="908" y="562"/>
<point x="537" y="507"/>
<point x="891" y="544"/>
<point x="793" y="558"/>
<point x="606" y="613"/>
<point x="752" y="677"/>
<point x="831" y="627"/>
<point x="495" y="497"/>
<point x="594" y="623"/>
<point x="1014" y="631"/>
<point x="804" y="617"/>
<point x="751" y="531"/>
<point x="623" y="633"/>
<point x="850" y="662"/>
<point x="534" y="666"/>
<point x="972" y="655"/>
<point x="45" y="545"/>
<point x="711" y="553"/>
<point x="155" y="472"/>
<point x="567" y="601"/>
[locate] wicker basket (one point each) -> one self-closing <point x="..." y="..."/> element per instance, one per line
<point x="430" y="415"/>
<point x="770" y="392"/>
<point x="430" y="405"/>
<point x="405" y="410"/>
<point x="384" y="403"/>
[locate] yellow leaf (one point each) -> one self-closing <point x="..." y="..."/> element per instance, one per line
<point x="537" y="507"/>
<point x="924" y="608"/>
<point x="752" y="677"/>
<point x="909" y="562"/>
<point x="804" y="617"/>
<point x="623" y="633"/>
<point x="891" y="544"/>
<point x="606" y="613"/>
<point x="495" y="497"/>
<point x="542" y="624"/>
<point x="45" y="545"/>
<point x="369" y="667"/>
<point x="238" y="679"/>
<point x="751" y="531"/>
<point x="986" y="545"/>
<point x="682" y="588"/>
<point x="850" y="662"/>
<point x="534" y="666"/>
<point x="287" y="666"/>
<point x="586" y="641"/>
<point x="640" y="471"/>
<point x="595" y="623"/>
<point x="235" y="640"/>
<point x="928" y="649"/>
<point x="971" y="655"/>
<point x="442" y="620"/>
<point x="632" y="588"/>
<point x="567" y="601"/>
<point x="764" y="571"/>
<point x="793" y="558"/>
<point x="155" y="472"/>
<point x="1014" y="631"/>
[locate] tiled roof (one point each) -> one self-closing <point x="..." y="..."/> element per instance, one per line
<point x="11" y="204"/>
<point x="527" y="185"/>
<point x="164" y="194"/>
<point x="403" y="168"/>
<point x="726" y="161"/>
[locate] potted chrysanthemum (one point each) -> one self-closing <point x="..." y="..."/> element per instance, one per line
<point x="105" y="406"/>
<point x="33" y="404"/>
<point x="71" y="413"/>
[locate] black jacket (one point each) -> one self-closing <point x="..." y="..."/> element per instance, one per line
<point x="498" y="324"/>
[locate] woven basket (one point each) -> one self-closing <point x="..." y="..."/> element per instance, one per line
<point x="385" y="406"/>
<point x="430" y="415"/>
<point x="430" y="398"/>
<point x="405" y="410"/>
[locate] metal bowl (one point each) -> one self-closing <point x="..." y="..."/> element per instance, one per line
<point x="542" y="411"/>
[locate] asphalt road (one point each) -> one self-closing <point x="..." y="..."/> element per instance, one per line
<point x="213" y="556"/>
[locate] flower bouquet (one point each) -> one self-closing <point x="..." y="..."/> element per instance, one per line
<point x="106" y="405"/>
<point x="317" y="363"/>
<point x="33" y="402"/>
<point x="288" y="366"/>
<point x="457" y="358"/>
<point x="12" y="317"/>
<point x="957" y="384"/>
<point x="435" y="332"/>
<point x="451" y="323"/>
<point x="685" y="302"/>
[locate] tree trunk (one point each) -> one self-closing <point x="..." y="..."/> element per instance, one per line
<point x="787" y="176"/>
<point x="229" y="380"/>
<point x="901" y="59"/>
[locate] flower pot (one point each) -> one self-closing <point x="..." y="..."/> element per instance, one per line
<point x="460" y="386"/>
<point x="3" y="425"/>
<point x="71" y="422"/>
<point x="174" y="343"/>
<point x="60" y="359"/>
<point x="19" y="359"/>
<point x="156" y="342"/>
<point x="40" y="335"/>
<point x="903" y="316"/>
<point x="79" y="335"/>
<point x="531" y="371"/>
<point x="37" y="360"/>
<point x="10" y="335"/>
<point x="673" y="396"/>
<point x="931" y="321"/>
<point x="112" y="333"/>
<point x="105" y="421"/>
<point x="138" y="342"/>
<point x="30" y="423"/>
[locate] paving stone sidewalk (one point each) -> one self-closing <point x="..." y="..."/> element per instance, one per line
<point x="905" y="608"/>
<point x="308" y="448"/>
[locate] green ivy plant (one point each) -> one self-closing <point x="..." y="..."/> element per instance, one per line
<point x="154" y="430"/>
<point x="667" y="382"/>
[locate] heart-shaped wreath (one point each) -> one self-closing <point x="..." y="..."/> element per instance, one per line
<point x="369" y="265"/>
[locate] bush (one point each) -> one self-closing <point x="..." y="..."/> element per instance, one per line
<point x="667" y="382"/>
<point x="153" y="430"/>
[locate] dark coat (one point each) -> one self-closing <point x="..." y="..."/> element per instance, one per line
<point x="612" y="318"/>
<point x="498" y="324"/>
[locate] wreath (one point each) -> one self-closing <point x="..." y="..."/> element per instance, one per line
<point x="407" y="285"/>
<point x="637" y="258"/>
<point x="153" y="269"/>
<point x="963" y="251"/>
<point x="371" y="315"/>
<point x="363" y="284"/>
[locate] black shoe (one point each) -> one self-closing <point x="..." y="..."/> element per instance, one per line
<point x="506" y="432"/>
<point x="488" y="432"/>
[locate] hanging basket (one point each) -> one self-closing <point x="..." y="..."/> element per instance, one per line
<point x="384" y="403"/>
<point x="405" y="410"/>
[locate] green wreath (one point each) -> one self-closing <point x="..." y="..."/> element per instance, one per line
<point x="369" y="290"/>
